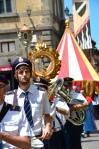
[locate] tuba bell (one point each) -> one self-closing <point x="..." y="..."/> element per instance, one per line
<point x="77" y="117"/>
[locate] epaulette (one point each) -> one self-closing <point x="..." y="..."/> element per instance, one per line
<point x="10" y="92"/>
<point x="41" y="88"/>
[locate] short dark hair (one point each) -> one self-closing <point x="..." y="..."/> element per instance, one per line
<point x="68" y="81"/>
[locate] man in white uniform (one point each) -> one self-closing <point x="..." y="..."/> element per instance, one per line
<point x="78" y="101"/>
<point x="38" y="98"/>
<point x="60" y="112"/>
<point x="15" y="131"/>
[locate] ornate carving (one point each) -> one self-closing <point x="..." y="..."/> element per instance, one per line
<point x="45" y="62"/>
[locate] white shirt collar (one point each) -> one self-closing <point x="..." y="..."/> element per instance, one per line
<point x="32" y="89"/>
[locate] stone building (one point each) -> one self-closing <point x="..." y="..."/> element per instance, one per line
<point x="44" y="17"/>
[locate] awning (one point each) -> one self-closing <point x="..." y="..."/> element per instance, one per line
<point x="5" y="67"/>
<point x="74" y="63"/>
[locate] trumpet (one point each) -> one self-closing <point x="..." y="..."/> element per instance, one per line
<point x="57" y="88"/>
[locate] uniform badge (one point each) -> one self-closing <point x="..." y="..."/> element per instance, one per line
<point x="20" y="59"/>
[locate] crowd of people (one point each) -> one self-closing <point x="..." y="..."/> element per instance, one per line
<point x="27" y="115"/>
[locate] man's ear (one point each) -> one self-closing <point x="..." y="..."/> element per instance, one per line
<point x="16" y="75"/>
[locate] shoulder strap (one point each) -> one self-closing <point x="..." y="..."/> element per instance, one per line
<point x="4" y="110"/>
<point x="15" y="102"/>
<point x="59" y="121"/>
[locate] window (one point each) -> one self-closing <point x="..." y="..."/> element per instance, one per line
<point x="7" y="47"/>
<point x="58" y="8"/>
<point x="5" y="6"/>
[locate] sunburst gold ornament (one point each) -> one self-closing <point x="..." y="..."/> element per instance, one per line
<point x="45" y="61"/>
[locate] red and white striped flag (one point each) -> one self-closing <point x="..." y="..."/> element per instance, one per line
<point x="82" y="23"/>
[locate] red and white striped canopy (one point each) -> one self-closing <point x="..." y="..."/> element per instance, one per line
<point x="74" y="63"/>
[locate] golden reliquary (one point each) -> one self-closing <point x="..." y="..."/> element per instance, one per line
<point x="45" y="61"/>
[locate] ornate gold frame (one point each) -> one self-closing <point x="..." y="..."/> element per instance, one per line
<point x="52" y="55"/>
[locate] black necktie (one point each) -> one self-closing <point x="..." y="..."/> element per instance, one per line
<point x="27" y="109"/>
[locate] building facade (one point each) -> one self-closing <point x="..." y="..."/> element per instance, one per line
<point x="44" y="17"/>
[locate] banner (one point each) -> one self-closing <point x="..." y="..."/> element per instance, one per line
<point x="81" y="20"/>
<point x="5" y="68"/>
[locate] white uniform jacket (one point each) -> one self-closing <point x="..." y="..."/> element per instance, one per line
<point x="39" y="103"/>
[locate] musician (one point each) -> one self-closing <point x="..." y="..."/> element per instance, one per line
<point x="14" y="129"/>
<point x="60" y="112"/>
<point x="37" y="97"/>
<point x="74" y="131"/>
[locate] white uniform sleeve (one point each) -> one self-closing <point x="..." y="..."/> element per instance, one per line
<point x="77" y="97"/>
<point x="46" y="104"/>
<point x="61" y="104"/>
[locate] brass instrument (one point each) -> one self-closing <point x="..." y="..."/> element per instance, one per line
<point x="54" y="87"/>
<point x="77" y="117"/>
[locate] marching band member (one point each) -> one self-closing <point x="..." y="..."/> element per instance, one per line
<point x="14" y="129"/>
<point x="37" y="97"/>
<point x="60" y="112"/>
<point x="73" y="131"/>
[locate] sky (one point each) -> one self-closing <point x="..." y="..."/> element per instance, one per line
<point x="94" y="15"/>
